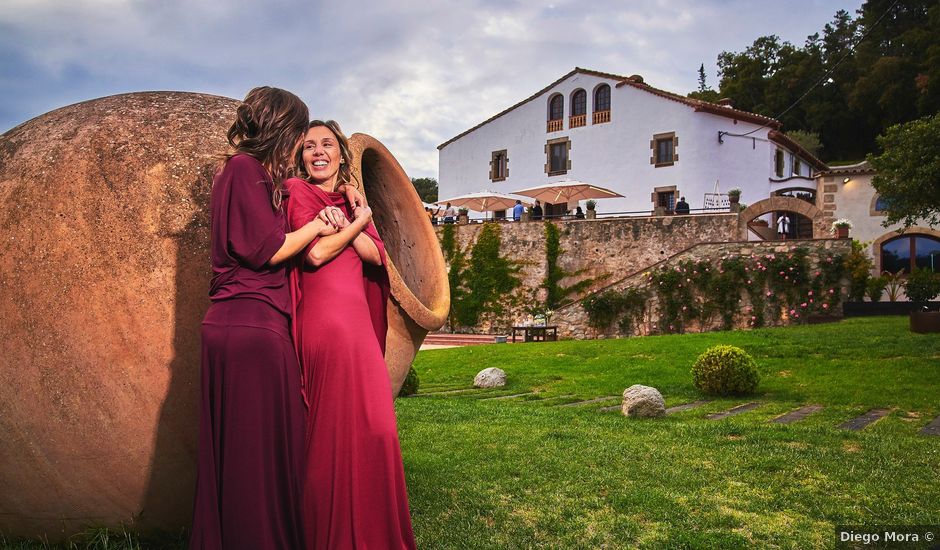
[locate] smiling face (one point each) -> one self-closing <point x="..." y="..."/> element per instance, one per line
<point x="321" y="156"/>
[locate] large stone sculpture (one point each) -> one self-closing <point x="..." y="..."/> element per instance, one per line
<point x="103" y="279"/>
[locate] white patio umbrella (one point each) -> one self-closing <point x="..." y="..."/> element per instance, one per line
<point x="568" y="191"/>
<point x="483" y="201"/>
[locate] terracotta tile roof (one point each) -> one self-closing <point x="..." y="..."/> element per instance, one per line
<point x="703" y="106"/>
<point x="637" y="82"/>
<point x="858" y="168"/>
<point x="785" y="140"/>
<point x="577" y="70"/>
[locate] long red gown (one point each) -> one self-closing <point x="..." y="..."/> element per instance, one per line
<point x="251" y="423"/>
<point x="354" y="493"/>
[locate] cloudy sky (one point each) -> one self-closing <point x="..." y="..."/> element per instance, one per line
<point x="411" y="73"/>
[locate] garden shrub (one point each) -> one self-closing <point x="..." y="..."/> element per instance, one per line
<point x="725" y="370"/>
<point x="858" y="266"/>
<point x="410" y="386"/>
<point x="876" y="287"/>
<point x="922" y="285"/>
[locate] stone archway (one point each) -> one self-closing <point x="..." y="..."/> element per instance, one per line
<point x="789" y="204"/>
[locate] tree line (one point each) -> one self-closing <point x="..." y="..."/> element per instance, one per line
<point x="865" y="74"/>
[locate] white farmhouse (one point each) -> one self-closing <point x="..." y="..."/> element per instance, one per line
<point x="647" y="144"/>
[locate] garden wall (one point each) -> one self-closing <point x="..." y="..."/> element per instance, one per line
<point x="606" y="250"/>
<point x="816" y="294"/>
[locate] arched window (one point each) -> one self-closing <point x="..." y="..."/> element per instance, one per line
<point x="602" y="104"/>
<point x="556" y="111"/>
<point x="906" y="252"/>
<point x="578" y="103"/>
<point x="578" y="109"/>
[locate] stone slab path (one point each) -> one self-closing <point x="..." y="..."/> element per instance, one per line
<point x="866" y="419"/>
<point x="567" y="395"/>
<point x="797" y="415"/>
<point x="933" y="428"/>
<point x="508" y="396"/>
<point x="595" y="400"/>
<point x="444" y="392"/>
<point x="687" y="406"/>
<point x="670" y="410"/>
<point x="735" y="410"/>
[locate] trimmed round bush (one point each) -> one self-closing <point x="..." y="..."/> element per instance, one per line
<point x="725" y="370"/>
<point x="410" y="385"/>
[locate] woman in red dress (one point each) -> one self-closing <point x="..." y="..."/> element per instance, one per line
<point x="251" y="426"/>
<point x="354" y="493"/>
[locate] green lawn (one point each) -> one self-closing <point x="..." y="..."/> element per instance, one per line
<point x="520" y="473"/>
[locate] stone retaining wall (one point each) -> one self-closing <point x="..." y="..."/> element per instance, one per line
<point x="607" y="249"/>
<point x="572" y="320"/>
<point x="617" y="252"/>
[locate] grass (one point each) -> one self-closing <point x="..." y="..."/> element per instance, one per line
<point x="520" y="473"/>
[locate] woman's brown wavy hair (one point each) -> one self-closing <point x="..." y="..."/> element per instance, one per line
<point x="268" y="126"/>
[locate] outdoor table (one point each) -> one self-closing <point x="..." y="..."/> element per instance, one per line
<point x="536" y="333"/>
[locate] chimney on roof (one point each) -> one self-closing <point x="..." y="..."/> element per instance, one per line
<point x="637" y="78"/>
<point x="726" y="102"/>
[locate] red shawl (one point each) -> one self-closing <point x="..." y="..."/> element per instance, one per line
<point x="305" y="201"/>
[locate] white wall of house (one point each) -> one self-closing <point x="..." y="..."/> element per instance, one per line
<point x="854" y="200"/>
<point x="616" y="154"/>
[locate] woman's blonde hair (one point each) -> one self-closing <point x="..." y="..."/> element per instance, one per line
<point x="345" y="168"/>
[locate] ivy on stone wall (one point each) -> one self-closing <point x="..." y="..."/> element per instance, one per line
<point x="482" y="283"/>
<point x="626" y="307"/>
<point x="555" y="294"/>
<point x="456" y="259"/>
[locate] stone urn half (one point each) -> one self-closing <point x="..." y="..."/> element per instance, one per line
<point x="420" y="293"/>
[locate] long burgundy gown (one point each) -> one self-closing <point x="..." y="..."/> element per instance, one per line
<point x="354" y="492"/>
<point x="251" y="425"/>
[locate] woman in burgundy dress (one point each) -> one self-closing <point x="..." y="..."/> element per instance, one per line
<point x="251" y="426"/>
<point x="354" y="492"/>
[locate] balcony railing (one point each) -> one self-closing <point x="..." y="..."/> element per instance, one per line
<point x="601" y="116"/>
<point x="577" y="121"/>
<point x="555" y="125"/>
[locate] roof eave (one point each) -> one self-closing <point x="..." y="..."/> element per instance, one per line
<point x="782" y="139"/>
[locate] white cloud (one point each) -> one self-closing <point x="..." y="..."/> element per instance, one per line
<point x="412" y="73"/>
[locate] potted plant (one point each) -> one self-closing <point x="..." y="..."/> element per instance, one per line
<point x="734" y="195"/>
<point x="841" y="228"/>
<point x="463" y="216"/>
<point x="591" y="212"/>
<point x="893" y="284"/>
<point x="875" y="287"/>
<point x="923" y="285"/>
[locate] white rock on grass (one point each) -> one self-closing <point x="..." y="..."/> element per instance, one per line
<point x="643" y="402"/>
<point x="490" y="378"/>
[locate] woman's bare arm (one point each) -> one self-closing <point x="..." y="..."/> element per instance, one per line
<point x="367" y="249"/>
<point x="330" y="246"/>
<point x="295" y="241"/>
